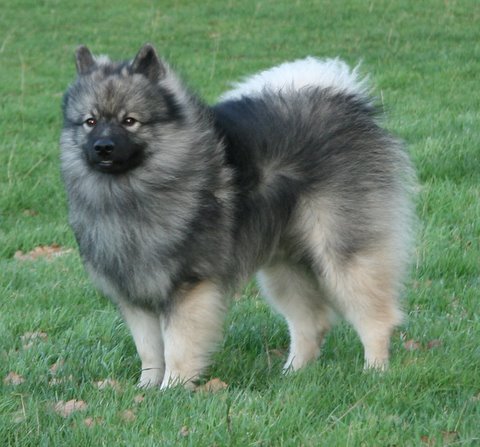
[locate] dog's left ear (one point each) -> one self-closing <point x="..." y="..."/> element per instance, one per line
<point x="147" y="62"/>
<point x="84" y="60"/>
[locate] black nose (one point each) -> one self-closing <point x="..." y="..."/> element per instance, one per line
<point x="104" y="146"/>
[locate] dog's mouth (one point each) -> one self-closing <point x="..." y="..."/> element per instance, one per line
<point x="111" y="166"/>
<point x="105" y="164"/>
<point x="116" y="166"/>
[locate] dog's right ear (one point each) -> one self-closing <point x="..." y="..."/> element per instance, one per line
<point x="84" y="60"/>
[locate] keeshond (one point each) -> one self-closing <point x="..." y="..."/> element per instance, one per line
<point x="174" y="203"/>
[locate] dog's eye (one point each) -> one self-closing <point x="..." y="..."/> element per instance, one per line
<point x="91" y="122"/>
<point x="129" y="121"/>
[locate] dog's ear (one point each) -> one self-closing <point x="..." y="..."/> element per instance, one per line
<point x="84" y="60"/>
<point x="147" y="62"/>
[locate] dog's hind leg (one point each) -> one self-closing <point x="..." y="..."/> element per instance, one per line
<point x="192" y="330"/>
<point x="365" y="289"/>
<point x="147" y="335"/>
<point x="361" y="265"/>
<point x="294" y="292"/>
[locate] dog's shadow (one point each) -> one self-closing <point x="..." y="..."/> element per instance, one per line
<point x="254" y="349"/>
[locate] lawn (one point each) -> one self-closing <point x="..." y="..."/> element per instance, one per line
<point x="68" y="366"/>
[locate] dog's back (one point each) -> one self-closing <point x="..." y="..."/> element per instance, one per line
<point x="307" y="131"/>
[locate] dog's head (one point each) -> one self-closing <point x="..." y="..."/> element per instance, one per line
<point x="115" y="110"/>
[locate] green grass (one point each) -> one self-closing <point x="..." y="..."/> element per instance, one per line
<point x="424" y="58"/>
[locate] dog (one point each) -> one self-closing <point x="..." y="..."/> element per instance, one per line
<point x="175" y="203"/>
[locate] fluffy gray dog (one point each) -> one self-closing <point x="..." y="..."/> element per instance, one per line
<point x="174" y="203"/>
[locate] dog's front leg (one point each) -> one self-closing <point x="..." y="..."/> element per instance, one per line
<point x="146" y="330"/>
<point x="191" y="331"/>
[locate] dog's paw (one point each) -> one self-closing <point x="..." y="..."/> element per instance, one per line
<point x="150" y="377"/>
<point x="376" y="365"/>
